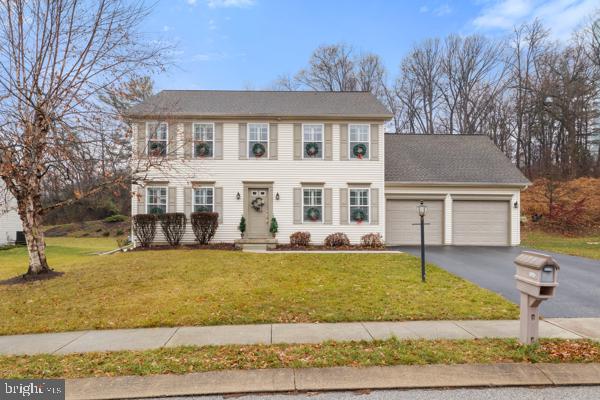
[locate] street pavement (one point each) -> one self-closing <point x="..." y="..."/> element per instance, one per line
<point x="578" y="293"/>
<point x="508" y="393"/>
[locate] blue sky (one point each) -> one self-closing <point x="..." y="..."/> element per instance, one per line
<point x="247" y="44"/>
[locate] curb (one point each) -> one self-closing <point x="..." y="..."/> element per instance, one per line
<point x="336" y="378"/>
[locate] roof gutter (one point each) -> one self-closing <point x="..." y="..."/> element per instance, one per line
<point x="392" y="184"/>
<point x="277" y="117"/>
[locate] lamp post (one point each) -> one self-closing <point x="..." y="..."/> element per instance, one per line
<point x="422" y="209"/>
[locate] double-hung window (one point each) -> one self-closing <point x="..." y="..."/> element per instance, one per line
<point x="312" y="205"/>
<point x="156" y="202"/>
<point x="157" y="134"/>
<point x="312" y="140"/>
<point x="359" y="205"/>
<point x="359" y="141"/>
<point x="204" y="134"/>
<point x="258" y="140"/>
<point x="204" y="199"/>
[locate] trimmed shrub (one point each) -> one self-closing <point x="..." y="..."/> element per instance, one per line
<point x="205" y="225"/>
<point x="173" y="227"/>
<point x="337" y="239"/>
<point x="372" y="241"/>
<point x="274" y="227"/>
<point x="300" y="239"/>
<point x="115" y="218"/>
<point x="144" y="228"/>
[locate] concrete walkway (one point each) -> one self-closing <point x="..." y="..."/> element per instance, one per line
<point x="152" y="338"/>
<point x="337" y="378"/>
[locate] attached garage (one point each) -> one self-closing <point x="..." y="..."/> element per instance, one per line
<point x="480" y="223"/>
<point x="401" y="217"/>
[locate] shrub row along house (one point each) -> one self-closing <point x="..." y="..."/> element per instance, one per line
<point x="318" y="162"/>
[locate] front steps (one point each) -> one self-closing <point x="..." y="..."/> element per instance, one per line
<point x="256" y="245"/>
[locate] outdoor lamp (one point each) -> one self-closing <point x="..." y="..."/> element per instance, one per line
<point x="238" y="196"/>
<point x="516" y="204"/>
<point x="422" y="208"/>
<point x="277" y="196"/>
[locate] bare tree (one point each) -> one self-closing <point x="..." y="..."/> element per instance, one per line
<point x="56" y="57"/>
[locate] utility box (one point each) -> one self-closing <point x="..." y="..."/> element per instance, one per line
<point x="536" y="278"/>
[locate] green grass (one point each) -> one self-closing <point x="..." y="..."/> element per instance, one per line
<point x="214" y="287"/>
<point x="587" y="246"/>
<point x="181" y="360"/>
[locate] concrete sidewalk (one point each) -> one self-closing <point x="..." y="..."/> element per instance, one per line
<point x="152" y="338"/>
<point x="337" y="378"/>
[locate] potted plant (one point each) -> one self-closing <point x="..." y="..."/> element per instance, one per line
<point x="274" y="227"/>
<point x="242" y="226"/>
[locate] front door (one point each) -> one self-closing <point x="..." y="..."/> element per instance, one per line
<point x="257" y="211"/>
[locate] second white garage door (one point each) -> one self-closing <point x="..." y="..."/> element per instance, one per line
<point x="480" y="223"/>
<point x="402" y="214"/>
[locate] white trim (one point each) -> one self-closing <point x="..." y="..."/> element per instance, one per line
<point x="166" y="197"/>
<point x="350" y="143"/>
<point x="194" y="140"/>
<point x="166" y="139"/>
<point x="266" y="155"/>
<point x="322" y="142"/>
<point x="194" y="188"/>
<point x="322" y="189"/>
<point x="350" y="189"/>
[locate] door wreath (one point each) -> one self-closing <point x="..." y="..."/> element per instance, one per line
<point x="257" y="203"/>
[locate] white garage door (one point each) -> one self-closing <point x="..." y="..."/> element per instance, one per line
<point x="480" y="223"/>
<point x="402" y="214"/>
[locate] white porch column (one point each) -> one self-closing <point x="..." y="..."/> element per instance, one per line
<point x="448" y="220"/>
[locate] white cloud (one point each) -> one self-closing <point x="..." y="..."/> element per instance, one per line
<point x="561" y="16"/>
<point x="191" y="2"/>
<point x="442" y="10"/>
<point x="229" y="3"/>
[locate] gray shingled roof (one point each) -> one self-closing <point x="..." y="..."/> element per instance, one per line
<point x="261" y="103"/>
<point x="447" y="159"/>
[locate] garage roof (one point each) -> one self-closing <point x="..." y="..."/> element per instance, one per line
<point x="244" y="103"/>
<point x="470" y="159"/>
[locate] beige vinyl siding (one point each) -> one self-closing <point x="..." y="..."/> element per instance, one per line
<point x="10" y="222"/>
<point x="286" y="174"/>
<point x="480" y="223"/>
<point x="401" y="217"/>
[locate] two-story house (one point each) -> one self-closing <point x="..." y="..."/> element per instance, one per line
<point x="317" y="162"/>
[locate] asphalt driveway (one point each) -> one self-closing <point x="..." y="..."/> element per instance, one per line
<point x="578" y="293"/>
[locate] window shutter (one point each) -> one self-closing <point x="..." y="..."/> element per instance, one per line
<point x="297" y="205"/>
<point x="374" y="200"/>
<point x="141" y="205"/>
<point x="328" y="142"/>
<point x="343" y="206"/>
<point x="172" y="200"/>
<point x="141" y="139"/>
<point x="374" y="145"/>
<point x="297" y="141"/>
<point x="243" y="141"/>
<point x="343" y="141"/>
<point x="188" y="147"/>
<point x="219" y="203"/>
<point x="187" y="202"/>
<point x="172" y="138"/>
<point x="218" y="150"/>
<point x="273" y="133"/>
<point x="328" y="206"/>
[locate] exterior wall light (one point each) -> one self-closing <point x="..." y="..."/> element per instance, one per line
<point x="516" y="205"/>
<point x="238" y="196"/>
<point x="422" y="208"/>
<point x="277" y="196"/>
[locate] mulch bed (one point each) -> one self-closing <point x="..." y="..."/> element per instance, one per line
<point x="286" y="247"/>
<point x="210" y="246"/>
<point x="21" y="279"/>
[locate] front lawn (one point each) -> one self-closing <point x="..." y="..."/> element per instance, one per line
<point x="587" y="246"/>
<point x="215" y="287"/>
<point x="182" y="360"/>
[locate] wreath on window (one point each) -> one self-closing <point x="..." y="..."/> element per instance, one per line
<point x="312" y="149"/>
<point x="156" y="148"/>
<point x="359" y="150"/>
<point x="156" y="210"/>
<point x="313" y="213"/>
<point x="258" y="149"/>
<point x="203" y="149"/>
<point x="257" y="203"/>
<point x="359" y="215"/>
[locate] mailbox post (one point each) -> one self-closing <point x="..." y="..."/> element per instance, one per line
<point x="536" y="279"/>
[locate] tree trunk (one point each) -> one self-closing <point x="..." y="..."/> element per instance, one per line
<point x="32" y="228"/>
